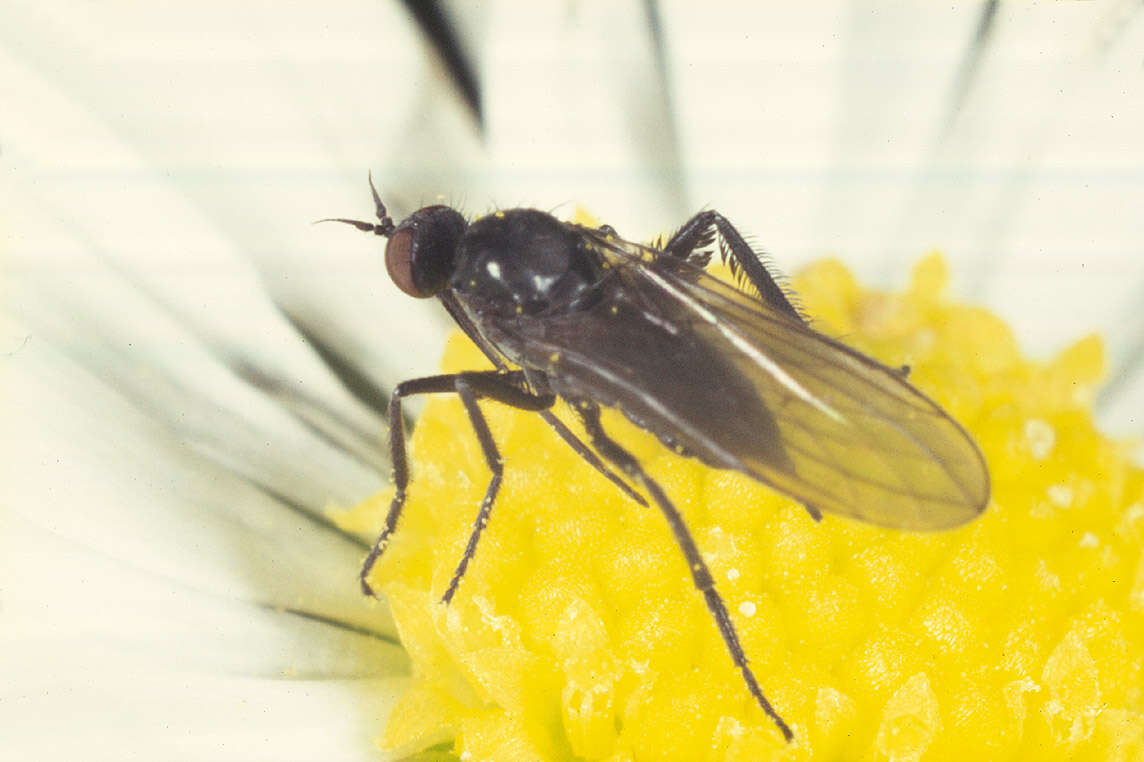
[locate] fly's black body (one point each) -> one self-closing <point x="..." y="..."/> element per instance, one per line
<point x="732" y="376"/>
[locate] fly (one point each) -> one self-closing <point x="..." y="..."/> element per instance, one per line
<point x="732" y="376"/>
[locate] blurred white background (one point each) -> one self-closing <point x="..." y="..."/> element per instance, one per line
<point x="168" y="585"/>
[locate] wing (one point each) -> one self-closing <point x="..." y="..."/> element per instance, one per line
<point x="742" y="385"/>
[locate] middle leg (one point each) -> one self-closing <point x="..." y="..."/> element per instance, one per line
<point x="470" y="386"/>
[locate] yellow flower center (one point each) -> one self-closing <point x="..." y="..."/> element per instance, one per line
<point x="577" y="634"/>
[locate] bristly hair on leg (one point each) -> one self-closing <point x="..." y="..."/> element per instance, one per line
<point x="745" y="284"/>
<point x="700" y="256"/>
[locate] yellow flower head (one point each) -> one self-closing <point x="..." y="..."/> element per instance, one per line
<point x="577" y="633"/>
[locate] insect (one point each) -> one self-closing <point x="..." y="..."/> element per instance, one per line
<point x="731" y="375"/>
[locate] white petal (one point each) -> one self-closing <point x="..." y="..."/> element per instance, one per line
<point x="167" y="580"/>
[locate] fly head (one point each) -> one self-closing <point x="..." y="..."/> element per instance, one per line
<point x="422" y="250"/>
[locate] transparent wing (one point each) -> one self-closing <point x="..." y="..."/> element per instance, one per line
<point x="742" y="385"/>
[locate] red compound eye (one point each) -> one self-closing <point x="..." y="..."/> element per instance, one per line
<point x="399" y="262"/>
<point x="422" y="249"/>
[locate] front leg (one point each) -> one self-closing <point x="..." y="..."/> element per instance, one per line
<point x="508" y="388"/>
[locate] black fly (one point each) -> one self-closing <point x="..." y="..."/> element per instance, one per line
<point x="732" y="376"/>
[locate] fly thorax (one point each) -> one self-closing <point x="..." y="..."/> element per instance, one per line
<point x="524" y="262"/>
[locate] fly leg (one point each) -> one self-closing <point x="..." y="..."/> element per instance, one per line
<point x="469" y="387"/>
<point x="627" y="463"/>
<point x="507" y="388"/>
<point x="462" y="319"/>
<point x="590" y="457"/>
<point x="700" y="231"/>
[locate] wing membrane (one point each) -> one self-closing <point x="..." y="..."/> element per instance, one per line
<point x="827" y="425"/>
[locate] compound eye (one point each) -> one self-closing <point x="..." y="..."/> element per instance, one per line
<point x="421" y="250"/>
<point x="399" y="262"/>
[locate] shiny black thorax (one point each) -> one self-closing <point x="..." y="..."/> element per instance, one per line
<point x="524" y="262"/>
